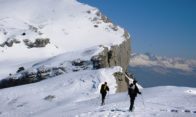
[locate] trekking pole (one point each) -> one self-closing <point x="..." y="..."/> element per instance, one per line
<point x="98" y="99"/>
<point x="143" y="100"/>
<point x="108" y="96"/>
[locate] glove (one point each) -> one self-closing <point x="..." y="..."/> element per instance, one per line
<point x="140" y="93"/>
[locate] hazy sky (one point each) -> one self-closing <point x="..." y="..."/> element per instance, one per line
<point x="161" y="27"/>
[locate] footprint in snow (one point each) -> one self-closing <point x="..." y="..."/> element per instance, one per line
<point x="177" y="111"/>
<point x="102" y="110"/>
<point x="187" y="111"/>
<point x="13" y="101"/>
<point x="174" y="110"/>
<point x="163" y="110"/>
<point x="49" y="97"/>
<point x="118" y="110"/>
<point x="22" y="104"/>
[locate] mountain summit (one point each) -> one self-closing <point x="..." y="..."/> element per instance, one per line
<point x="39" y="29"/>
<point x="51" y="27"/>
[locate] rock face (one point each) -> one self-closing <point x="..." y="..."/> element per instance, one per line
<point x="9" y="43"/>
<point x="27" y="76"/>
<point x="40" y="42"/>
<point x="122" y="82"/>
<point x="118" y="55"/>
<point x="55" y="24"/>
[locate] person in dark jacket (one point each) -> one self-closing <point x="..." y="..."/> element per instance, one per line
<point x="103" y="91"/>
<point x="133" y="91"/>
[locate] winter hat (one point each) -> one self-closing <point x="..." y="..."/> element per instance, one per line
<point x="135" y="81"/>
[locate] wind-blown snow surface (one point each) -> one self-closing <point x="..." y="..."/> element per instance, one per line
<point x="68" y="24"/>
<point x="77" y="95"/>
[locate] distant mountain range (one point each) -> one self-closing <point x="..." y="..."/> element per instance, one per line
<point x="151" y="70"/>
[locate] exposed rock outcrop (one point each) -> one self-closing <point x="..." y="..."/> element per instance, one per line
<point x="23" y="76"/>
<point x="9" y="42"/>
<point x="118" y="55"/>
<point x="122" y="82"/>
<point x="39" y="42"/>
<point x="30" y="76"/>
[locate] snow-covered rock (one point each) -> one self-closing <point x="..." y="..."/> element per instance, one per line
<point x="31" y="31"/>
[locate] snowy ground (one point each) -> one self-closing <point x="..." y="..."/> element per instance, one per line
<point x="170" y="102"/>
<point x="77" y="95"/>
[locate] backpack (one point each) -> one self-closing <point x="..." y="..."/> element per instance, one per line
<point x="104" y="88"/>
<point x="131" y="89"/>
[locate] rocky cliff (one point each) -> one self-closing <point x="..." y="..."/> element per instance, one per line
<point x="60" y="28"/>
<point x="118" y="55"/>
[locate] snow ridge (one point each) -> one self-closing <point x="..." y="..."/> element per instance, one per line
<point x="31" y="31"/>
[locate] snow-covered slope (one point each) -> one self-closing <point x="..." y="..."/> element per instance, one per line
<point x="59" y="92"/>
<point x="67" y="24"/>
<point x="77" y="95"/>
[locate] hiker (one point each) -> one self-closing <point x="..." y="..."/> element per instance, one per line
<point x="103" y="91"/>
<point x="133" y="91"/>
